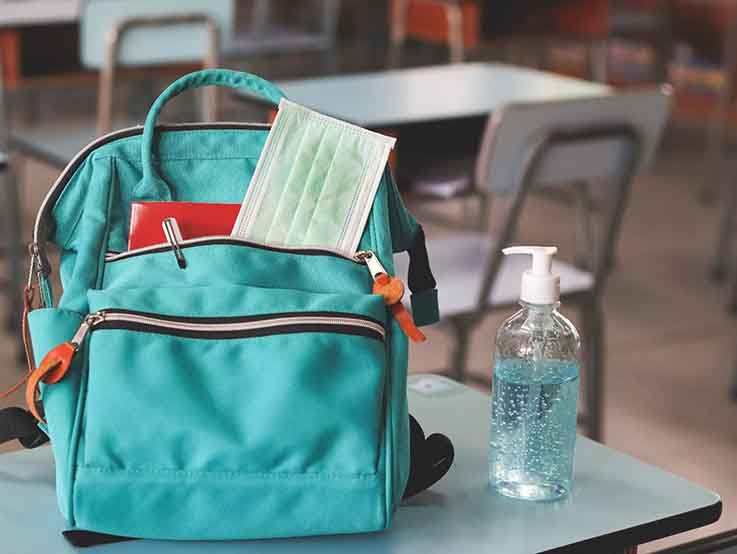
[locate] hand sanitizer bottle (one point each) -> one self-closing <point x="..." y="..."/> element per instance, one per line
<point x="535" y="390"/>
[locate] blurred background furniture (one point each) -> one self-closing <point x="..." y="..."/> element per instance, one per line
<point x="10" y="226"/>
<point x="117" y="34"/>
<point x="597" y="22"/>
<point x="535" y="145"/>
<point x="721" y="543"/>
<point x="266" y="34"/>
<point x="397" y="98"/>
<point x="454" y="23"/>
<point x="19" y="16"/>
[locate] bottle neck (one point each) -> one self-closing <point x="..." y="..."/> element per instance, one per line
<point x="541" y="309"/>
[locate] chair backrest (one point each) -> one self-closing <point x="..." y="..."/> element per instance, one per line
<point x="566" y="142"/>
<point x="158" y="45"/>
<point x="512" y="132"/>
<point x="329" y="10"/>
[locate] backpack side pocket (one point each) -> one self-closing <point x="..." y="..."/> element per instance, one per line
<point x="50" y="327"/>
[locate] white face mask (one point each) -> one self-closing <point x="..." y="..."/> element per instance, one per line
<point x="314" y="183"/>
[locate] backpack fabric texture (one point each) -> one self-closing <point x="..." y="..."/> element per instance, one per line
<point x="295" y="424"/>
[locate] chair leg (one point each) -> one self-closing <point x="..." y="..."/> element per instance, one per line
<point x="727" y="225"/>
<point x="459" y="352"/>
<point x="14" y="248"/>
<point x="454" y="14"/>
<point x="733" y="296"/>
<point x="593" y="331"/>
<point x="599" y="61"/>
<point x="585" y="243"/>
<point x="733" y="389"/>
<point x="715" y="136"/>
<point x="398" y="33"/>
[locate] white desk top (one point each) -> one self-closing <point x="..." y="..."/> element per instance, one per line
<point x="23" y="13"/>
<point x="617" y="501"/>
<point x="432" y="93"/>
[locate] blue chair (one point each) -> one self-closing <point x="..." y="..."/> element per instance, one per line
<point x="266" y="35"/>
<point x="122" y="33"/>
<point x="118" y="34"/>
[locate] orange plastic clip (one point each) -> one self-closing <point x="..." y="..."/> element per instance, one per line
<point x="392" y="289"/>
<point x="52" y="369"/>
<point x="404" y="318"/>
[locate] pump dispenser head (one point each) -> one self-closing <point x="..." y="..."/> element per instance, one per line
<point x="539" y="284"/>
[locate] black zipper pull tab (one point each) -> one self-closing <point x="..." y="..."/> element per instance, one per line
<point x="174" y="238"/>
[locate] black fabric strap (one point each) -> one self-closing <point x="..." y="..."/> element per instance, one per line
<point x="419" y="276"/>
<point x="17" y="423"/>
<point x="82" y="539"/>
<point x="422" y="283"/>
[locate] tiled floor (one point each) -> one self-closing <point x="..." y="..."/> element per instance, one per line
<point x="671" y="345"/>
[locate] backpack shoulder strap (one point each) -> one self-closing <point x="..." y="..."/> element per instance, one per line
<point x="408" y="236"/>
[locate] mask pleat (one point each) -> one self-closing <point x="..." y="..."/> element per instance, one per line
<point x="293" y="182"/>
<point x="322" y="159"/>
<point x="295" y="130"/>
<point x="339" y="191"/>
<point x="314" y="183"/>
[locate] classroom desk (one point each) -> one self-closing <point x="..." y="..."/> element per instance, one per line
<point x="374" y="100"/>
<point x="436" y="93"/>
<point x="617" y="501"/>
<point x="16" y="15"/>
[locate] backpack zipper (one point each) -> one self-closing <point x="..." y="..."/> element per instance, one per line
<point x="231" y="327"/>
<point x="49" y="201"/>
<point x="55" y="365"/>
<point x="229" y="239"/>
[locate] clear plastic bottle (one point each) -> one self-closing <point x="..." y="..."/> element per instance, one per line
<point x="535" y="390"/>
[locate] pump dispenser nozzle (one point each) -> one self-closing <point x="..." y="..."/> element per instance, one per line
<point x="539" y="284"/>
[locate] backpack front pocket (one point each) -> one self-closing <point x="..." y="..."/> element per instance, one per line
<point x="296" y="390"/>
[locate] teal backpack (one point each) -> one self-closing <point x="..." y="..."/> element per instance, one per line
<point x="260" y="392"/>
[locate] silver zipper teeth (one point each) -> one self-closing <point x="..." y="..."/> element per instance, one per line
<point x="243" y="325"/>
<point x="228" y="238"/>
<point x="108" y="137"/>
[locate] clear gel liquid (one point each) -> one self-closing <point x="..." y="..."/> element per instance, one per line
<point x="533" y="428"/>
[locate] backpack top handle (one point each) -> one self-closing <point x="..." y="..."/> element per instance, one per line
<point x="260" y="88"/>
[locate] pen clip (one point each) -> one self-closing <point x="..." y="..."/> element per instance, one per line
<point x="174" y="238"/>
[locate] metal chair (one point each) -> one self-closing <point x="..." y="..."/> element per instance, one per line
<point x="715" y="139"/>
<point x="526" y="147"/>
<point x="599" y="23"/>
<point x="714" y="150"/>
<point x="121" y="33"/>
<point x="12" y="229"/>
<point x="453" y="10"/>
<point x="117" y="33"/>
<point x="265" y="36"/>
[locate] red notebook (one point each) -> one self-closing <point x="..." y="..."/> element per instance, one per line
<point x="195" y="219"/>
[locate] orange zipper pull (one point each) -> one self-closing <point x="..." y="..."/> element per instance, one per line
<point x="52" y="369"/>
<point x="55" y="365"/>
<point x="404" y="318"/>
<point x="392" y="289"/>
